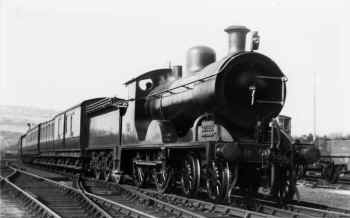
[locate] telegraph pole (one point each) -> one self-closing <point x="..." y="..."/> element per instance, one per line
<point x="314" y="105"/>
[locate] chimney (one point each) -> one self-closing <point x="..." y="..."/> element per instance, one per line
<point x="236" y="38"/>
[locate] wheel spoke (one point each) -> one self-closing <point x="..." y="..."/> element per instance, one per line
<point x="138" y="175"/>
<point x="163" y="178"/>
<point x="229" y="180"/>
<point x="190" y="175"/>
<point x="213" y="182"/>
<point x="283" y="183"/>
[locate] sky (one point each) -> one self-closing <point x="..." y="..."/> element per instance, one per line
<point x="55" y="53"/>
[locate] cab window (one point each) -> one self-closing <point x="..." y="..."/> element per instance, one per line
<point x="145" y="84"/>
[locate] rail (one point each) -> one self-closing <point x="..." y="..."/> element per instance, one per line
<point x="223" y="210"/>
<point x="264" y="207"/>
<point x="94" y="209"/>
<point x="317" y="212"/>
<point x="120" y="207"/>
<point x="197" y="208"/>
<point x="33" y="205"/>
<point x="132" y="194"/>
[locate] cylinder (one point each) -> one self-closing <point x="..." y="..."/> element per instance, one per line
<point x="236" y="38"/>
<point x="230" y="152"/>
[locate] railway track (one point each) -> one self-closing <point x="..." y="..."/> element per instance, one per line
<point x="58" y="199"/>
<point x="294" y="209"/>
<point x="10" y="206"/>
<point x="150" y="207"/>
<point x="130" y="201"/>
<point x="5" y="171"/>
<point x="116" y="199"/>
<point x="162" y="207"/>
<point x="344" y="181"/>
<point x="314" y="182"/>
<point x="318" y="210"/>
<point x="17" y="199"/>
<point x="114" y="204"/>
<point x="266" y="210"/>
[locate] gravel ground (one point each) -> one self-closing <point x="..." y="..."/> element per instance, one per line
<point x="331" y="197"/>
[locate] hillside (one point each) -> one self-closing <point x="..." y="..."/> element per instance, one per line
<point x="14" y="119"/>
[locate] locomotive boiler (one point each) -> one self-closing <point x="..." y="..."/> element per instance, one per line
<point x="208" y="126"/>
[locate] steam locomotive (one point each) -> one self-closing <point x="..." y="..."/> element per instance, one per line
<point x="208" y="127"/>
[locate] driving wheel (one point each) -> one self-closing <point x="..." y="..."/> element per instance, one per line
<point x="139" y="175"/>
<point x="163" y="178"/>
<point x="190" y="175"/>
<point x="214" y="188"/>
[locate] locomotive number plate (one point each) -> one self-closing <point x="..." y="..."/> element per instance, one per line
<point x="208" y="131"/>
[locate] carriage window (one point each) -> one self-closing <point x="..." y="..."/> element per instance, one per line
<point x="52" y="131"/>
<point x="67" y="120"/>
<point x="75" y="122"/>
<point x="60" y="128"/>
<point x="43" y="133"/>
<point x="145" y="84"/>
<point x="71" y="125"/>
<point x="48" y="131"/>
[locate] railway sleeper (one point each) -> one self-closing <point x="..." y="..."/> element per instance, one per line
<point x="33" y="206"/>
<point x="69" y="202"/>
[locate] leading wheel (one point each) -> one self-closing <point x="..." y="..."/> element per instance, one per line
<point x="229" y="180"/>
<point x="190" y="175"/>
<point x="283" y="183"/>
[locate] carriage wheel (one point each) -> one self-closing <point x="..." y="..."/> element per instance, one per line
<point x="190" y="175"/>
<point x="163" y="178"/>
<point x="107" y="172"/>
<point x="139" y="175"/>
<point x="97" y="173"/>
<point x="328" y="173"/>
<point x="301" y="171"/>
<point x="336" y="174"/>
<point x="95" y="165"/>
<point x="214" y="186"/>
<point x="229" y="180"/>
<point x="97" y="168"/>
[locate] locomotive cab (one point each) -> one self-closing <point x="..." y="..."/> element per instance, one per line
<point x="137" y="117"/>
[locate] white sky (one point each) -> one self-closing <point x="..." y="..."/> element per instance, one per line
<point x="55" y="53"/>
